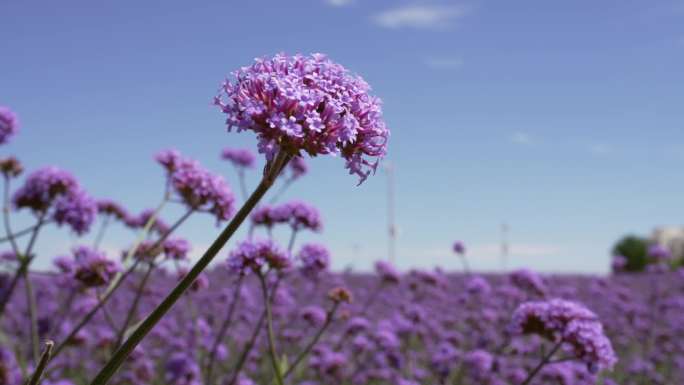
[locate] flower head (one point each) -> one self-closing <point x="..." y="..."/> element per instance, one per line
<point x="11" y="167"/>
<point x="387" y="272"/>
<point x="197" y="187"/>
<point x="93" y="268"/>
<point x="9" y="124"/>
<point x="307" y="104"/>
<point x="253" y="255"/>
<point x="42" y="187"/>
<point x="77" y="210"/>
<point x="569" y="323"/>
<point x="315" y="258"/>
<point x="239" y="157"/>
<point x="459" y="248"/>
<point x="109" y="207"/>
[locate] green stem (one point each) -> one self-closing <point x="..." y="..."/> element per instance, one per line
<point x="328" y="320"/>
<point x="42" y="364"/>
<point x="545" y="360"/>
<point x="271" y="336"/>
<point x="134" y="307"/>
<point x="156" y="315"/>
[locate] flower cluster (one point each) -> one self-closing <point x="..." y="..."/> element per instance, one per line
<point x="9" y="124"/>
<point x="42" y="187"/>
<point x="197" y="187"/>
<point x="239" y="157"/>
<point x="307" y="104"/>
<point x="11" y="167"/>
<point x="113" y="209"/>
<point x="253" y="255"/>
<point x="529" y="281"/>
<point x="91" y="267"/>
<point x="299" y="215"/>
<point x="315" y="258"/>
<point x="52" y="187"/>
<point x="569" y="323"/>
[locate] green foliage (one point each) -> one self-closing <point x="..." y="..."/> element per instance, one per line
<point x="635" y="251"/>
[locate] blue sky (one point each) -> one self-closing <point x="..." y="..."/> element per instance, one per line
<point x="563" y="119"/>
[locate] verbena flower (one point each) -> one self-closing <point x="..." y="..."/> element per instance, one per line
<point x="313" y="314"/>
<point x="315" y="258"/>
<point x="253" y="255"/>
<point x="239" y="157"/>
<point x="307" y="104"/>
<point x="42" y="187"/>
<point x="176" y="248"/>
<point x="529" y="281"/>
<point x="77" y="210"/>
<point x="9" y="124"/>
<point x="139" y="221"/>
<point x="11" y="167"/>
<point x="303" y="216"/>
<point x="112" y="208"/>
<point x="298" y="168"/>
<point x="197" y="187"/>
<point x="387" y="272"/>
<point x="459" y="248"/>
<point x="569" y="323"/>
<point x="92" y="268"/>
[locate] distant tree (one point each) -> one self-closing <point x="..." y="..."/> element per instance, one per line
<point x="635" y="251"/>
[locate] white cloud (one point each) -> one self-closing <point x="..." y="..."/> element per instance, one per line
<point x="444" y="63"/>
<point x="339" y="3"/>
<point x="521" y="138"/>
<point x="419" y="16"/>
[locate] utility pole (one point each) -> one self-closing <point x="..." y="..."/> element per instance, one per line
<point x="505" y="247"/>
<point x="391" y="226"/>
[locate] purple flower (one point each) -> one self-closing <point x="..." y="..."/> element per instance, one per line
<point x="569" y="323"/>
<point x="315" y="258"/>
<point x="75" y="209"/>
<point x="387" y="272"/>
<point x="176" y="248"/>
<point x="619" y="263"/>
<point x="10" y="373"/>
<point x="198" y="188"/>
<point x="479" y="362"/>
<point x="529" y="281"/>
<point x="42" y="187"/>
<point x="138" y="222"/>
<point x="307" y="104"/>
<point x="253" y="255"/>
<point x="109" y="207"/>
<point x="659" y="253"/>
<point x="9" y="124"/>
<point x="303" y="216"/>
<point x="11" y="167"/>
<point x="459" y="248"/>
<point x="93" y="268"/>
<point x="239" y="157"/>
<point x="298" y="167"/>
<point x="314" y="315"/>
<point x="478" y="286"/>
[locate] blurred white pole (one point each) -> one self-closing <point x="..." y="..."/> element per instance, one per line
<point x="391" y="227"/>
<point x="505" y="248"/>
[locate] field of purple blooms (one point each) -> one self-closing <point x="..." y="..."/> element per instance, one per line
<point x="270" y="313"/>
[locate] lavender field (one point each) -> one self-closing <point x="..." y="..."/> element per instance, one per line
<point x="341" y="192"/>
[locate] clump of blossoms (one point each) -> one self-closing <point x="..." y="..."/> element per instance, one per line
<point x="307" y="104"/>
<point x="9" y="124"/>
<point x="254" y="255"/>
<point x="299" y="215"/>
<point x="315" y="259"/>
<point x="198" y="188"/>
<point x="569" y="325"/>
<point x="92" y="268"/>
<point x="52" y="187"/>
<point x="239" y="157"/>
